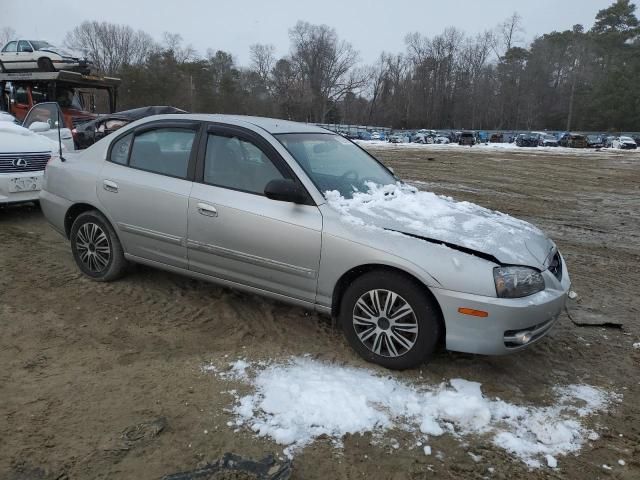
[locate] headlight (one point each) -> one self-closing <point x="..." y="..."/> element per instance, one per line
<point x="516" y="282"/>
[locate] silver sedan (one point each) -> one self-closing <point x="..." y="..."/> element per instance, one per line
<point x="299" y="214"/>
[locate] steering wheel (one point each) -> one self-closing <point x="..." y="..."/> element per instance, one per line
<point x="350" y="175"/>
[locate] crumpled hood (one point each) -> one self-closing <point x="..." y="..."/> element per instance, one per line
<point x="63" y="52"/>
<point x="402" y="208"/>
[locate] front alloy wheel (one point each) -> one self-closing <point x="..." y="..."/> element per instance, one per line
<point x="390" y="319"/>
<point x="385" y="323"/>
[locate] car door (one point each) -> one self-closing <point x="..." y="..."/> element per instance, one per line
<point x="9" y="56"/>
<point x="236" y="233"/>
<point x="26" y="56"/>
<point x="144" y="187"/>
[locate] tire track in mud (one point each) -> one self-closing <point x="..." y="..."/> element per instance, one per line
<point x="146" y="296"/>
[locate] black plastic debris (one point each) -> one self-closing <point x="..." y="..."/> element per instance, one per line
<point x="266" y="469"/>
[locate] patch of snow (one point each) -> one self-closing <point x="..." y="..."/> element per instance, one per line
<point x="237" y="370"/>
<point x="606" y="467"/>
<point x="427" y="450"/>
<point x="636" y="345"/>
<point x="622" y="463"/>
<point x="489" y="147"/>
<point x="296" y="402"/>
<point x="474" y="457"/>
<point x="551" y="461"/>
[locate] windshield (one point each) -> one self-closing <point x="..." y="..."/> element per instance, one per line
<point x="39" y="44"/>
<point x="334" y="163"/>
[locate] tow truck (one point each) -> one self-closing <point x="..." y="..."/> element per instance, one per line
<point x="73" y="91"/>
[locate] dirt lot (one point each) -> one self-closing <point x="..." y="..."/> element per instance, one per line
<point x="82" y="362"/>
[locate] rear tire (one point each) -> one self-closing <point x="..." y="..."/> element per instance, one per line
<point x="45" y="65"/>
<point x="96" y="247"/>
<point x="402" y="332"/>
<point x="2" y="70"/>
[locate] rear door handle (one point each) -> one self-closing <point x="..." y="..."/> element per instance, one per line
<point x="110" y="186"/>
<point x="207" y="210"/>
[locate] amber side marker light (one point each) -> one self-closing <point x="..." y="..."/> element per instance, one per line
<point x="471" y="311"/>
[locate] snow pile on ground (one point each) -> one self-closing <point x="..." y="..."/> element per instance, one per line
<point x="636" y="345"/>
<point x="404" y="208"/>
<point x="297" y="402"/>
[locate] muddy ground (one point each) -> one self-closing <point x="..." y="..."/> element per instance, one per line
<point x="83" y="362"/>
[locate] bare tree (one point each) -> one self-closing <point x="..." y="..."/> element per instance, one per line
<point x="508" y="34"/>
<point x="325" y="63"/>
<point x="262" y="60"/>
<point x="110" y="46"/>
<point x="172" y="42"/>
<point x="6" y="34"/>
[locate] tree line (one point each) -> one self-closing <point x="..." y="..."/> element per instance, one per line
<point x="574" y="79"/>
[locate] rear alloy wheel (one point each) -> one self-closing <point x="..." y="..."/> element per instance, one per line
<point x="45" y="65"/>
<point x="389" y="320"/>
<point x="96" y="248"/>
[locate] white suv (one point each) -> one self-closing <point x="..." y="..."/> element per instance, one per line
<point x="21" y="55"/>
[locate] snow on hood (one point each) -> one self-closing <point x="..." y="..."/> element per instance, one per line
<point x="17" y="139"/>
<point x="403" y="208"/>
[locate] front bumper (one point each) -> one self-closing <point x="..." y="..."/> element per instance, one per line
<point x="508" y="321"/>
<point x="6" y="196"/>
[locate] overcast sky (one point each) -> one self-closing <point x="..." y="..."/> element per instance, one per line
<point x="370" y="26"/>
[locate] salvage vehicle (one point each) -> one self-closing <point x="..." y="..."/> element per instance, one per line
<point x="467" y="138"/>
<point x="526" y="140"/>
<point x="42" y="120"/>
<point x="595" y="141"/>
<point x="29" y="55"/>
<point x="573" y="140"/>
<point x="75" y="94"/>
<point x="23" y="157"/>
<point x="547" y="140"/>
<point x="90" y="132"/>
<point x="303" y="215"/>
<point x="496" y="138"/>
<point x="625" y="143"/>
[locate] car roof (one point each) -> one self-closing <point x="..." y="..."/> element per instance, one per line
<point x="273" y="126"/>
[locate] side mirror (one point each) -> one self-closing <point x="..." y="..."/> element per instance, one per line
<point x="39" y="127"/>
<point x="285" y="190"/>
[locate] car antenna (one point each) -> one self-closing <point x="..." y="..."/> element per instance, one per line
<point x="62" y="159"/>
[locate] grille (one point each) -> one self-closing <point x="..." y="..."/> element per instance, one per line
<point x="555" y="266"/>
<point x="15" y="162"/>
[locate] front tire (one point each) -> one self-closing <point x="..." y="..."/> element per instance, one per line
<point x="96" y="248"/>
<point x="390" y="320"/>
<point x="45" y="65"/>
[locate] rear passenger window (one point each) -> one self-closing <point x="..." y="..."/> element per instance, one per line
<point x="165" y="151"/>
<point x="120" y="150"/>
<point x="11" y="47"/>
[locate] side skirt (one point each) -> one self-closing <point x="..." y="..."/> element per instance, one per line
<point x="229" y="284"/>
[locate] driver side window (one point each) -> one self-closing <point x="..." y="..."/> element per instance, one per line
<point x="238" y="164"/>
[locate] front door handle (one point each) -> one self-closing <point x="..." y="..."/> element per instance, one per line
<point x="110" y="186"/>
<point x="207" y="210"/>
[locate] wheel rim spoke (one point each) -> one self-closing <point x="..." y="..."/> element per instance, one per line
<point x="377" y="342"/>
<point x="367" y="334"/>
<point x="365" y="308"/>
